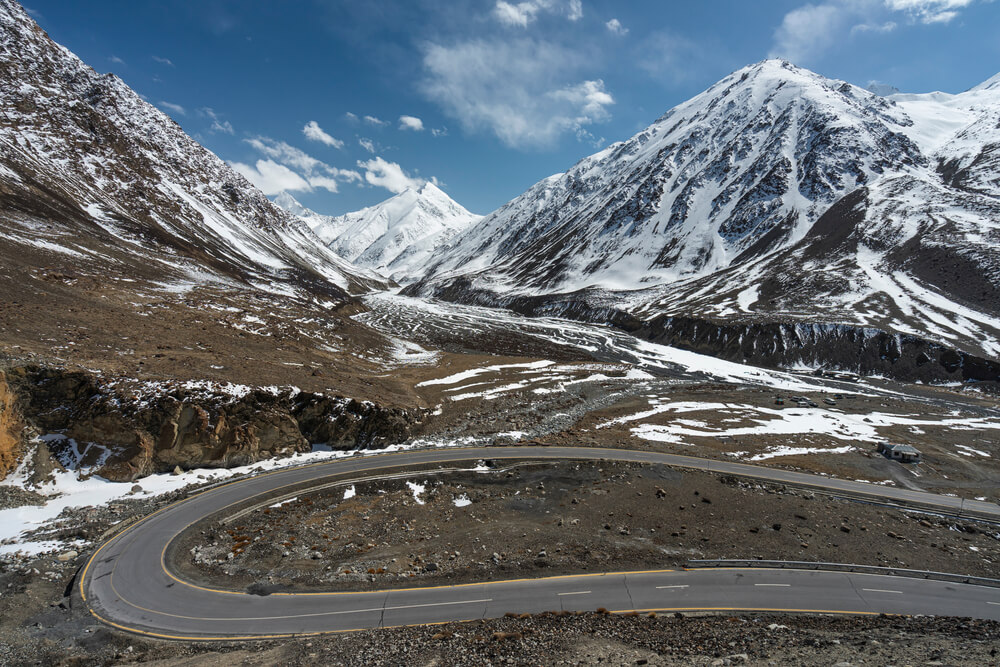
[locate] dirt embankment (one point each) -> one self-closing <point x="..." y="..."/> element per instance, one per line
<point x="11" y="429"/>
<point x="123" y="430"/>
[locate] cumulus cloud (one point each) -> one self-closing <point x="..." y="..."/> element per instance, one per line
<point x="163" y="61"/>
<point x="615" y="27"/>
<point x="389" y="175"/>
<point x="520" y="14"/>
<point x="377" y="122"/>
<point x="315" y="173"/>
<point x="521" y="90"/>
<point x="411" y="123"/>
<point x="218" y="125"/>
<point x="271" y="178"/>
<point x="173" y="108"/>
<point x="314" y="132"/>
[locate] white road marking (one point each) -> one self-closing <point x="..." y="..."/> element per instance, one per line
<point x="679" y="586"/>
<point x="996" y="603"/>
<point x="781" y="585"/>
<point x="879" y="590"/>
<point x="575" y="593"/>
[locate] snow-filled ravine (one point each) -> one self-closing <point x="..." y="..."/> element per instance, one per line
<point x="424" y="321"/>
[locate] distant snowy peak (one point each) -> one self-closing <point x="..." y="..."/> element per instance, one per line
<point x="393" y="237"/>
<point x="290" y="204"/>
<point x="882" y="89"/>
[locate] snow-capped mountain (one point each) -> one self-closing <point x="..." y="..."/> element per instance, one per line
<point x="395" y="237"/>
<point x="776" y="195"/>
<point x="90" y="172"/>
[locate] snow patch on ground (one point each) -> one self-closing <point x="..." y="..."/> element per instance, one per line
<point x="68" y="489"/>
<point x="773" y="452"/>
<point x="465" y="375"/>
<point x="417" y="490"/>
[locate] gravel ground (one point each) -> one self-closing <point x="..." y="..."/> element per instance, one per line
<point x="586" y="639"/>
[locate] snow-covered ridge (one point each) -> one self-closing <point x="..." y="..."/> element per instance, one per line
<point x="394" y="237"/>
<point x="764" y="151"/>
<point x="71" y="137"/>
<point x="776" y="194"/>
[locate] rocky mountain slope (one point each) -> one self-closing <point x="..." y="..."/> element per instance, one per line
<point x="776" y="196"/>
<point x="395" y="237"/>
<point x="90" y="171"/>
<point x="129" y="252"/>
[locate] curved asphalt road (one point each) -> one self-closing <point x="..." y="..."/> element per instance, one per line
<point x="127" y="584"/>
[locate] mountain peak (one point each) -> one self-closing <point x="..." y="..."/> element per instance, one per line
<point x="291" y="204"/>
<point x="993" y="83"/>
<point x="429" y="189"/>
<point x="738" y="171"/>
<point x="394" y="236"/>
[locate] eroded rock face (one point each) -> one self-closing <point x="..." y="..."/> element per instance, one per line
<point x="11" y="429"/>
<point x="140" y="429"/>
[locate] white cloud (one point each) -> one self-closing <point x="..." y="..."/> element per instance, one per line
<point x="286" y="154"/>
<point x="314" y="132"/>
<point x="173" y="108"/>
<point x="809" y="30"/>
<point x="521" y="90"/>
<point x="888" y="26"/>
<point x="218" y="125"/>
<point x="314" y="172"/>
<point x="616" y="28"/>
<point x="519" y="15"/>
<point x="351" y="117"/>
<point x="271" y="177"/>
<point x="515" y="15"/>
<point x="367" y="144"/>
<point x="439" y="131"/>
<point x="411" y="123"/>
<point x="377" y="122"/>
<point x="589" y="97"/>
<point x="389" y="175"/>
<point x="929" y="11"/>
<point x="116" y="60"/>
<point x="163" y="61"/>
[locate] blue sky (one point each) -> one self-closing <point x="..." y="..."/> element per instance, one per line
<point x="344" y="103"/>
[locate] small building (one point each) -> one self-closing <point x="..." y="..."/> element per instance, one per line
<point x="901" y="453"/>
